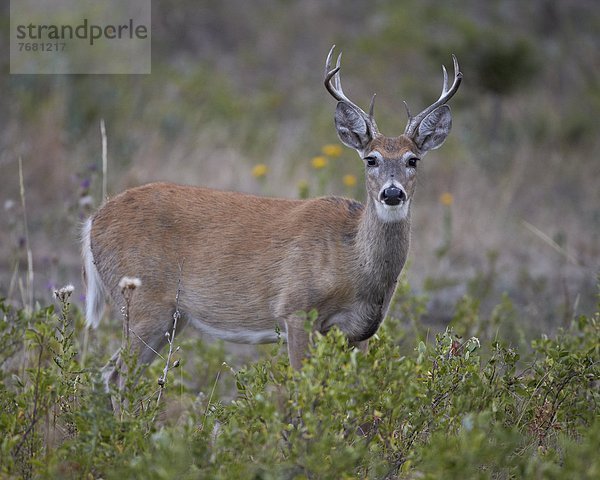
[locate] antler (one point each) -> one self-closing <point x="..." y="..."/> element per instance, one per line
<point x="447" y="94"/>
<point x="333" y="84"/>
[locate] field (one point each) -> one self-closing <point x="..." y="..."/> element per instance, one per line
<point x="487" y="364"/>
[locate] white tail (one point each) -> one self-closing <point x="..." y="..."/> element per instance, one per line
<point x="241" y="267"/>
<point x="94" y="291"/>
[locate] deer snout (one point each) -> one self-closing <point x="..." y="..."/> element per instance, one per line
<point x="392" y="195"/>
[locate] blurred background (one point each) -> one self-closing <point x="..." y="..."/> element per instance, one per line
<point x="507" y="209"/>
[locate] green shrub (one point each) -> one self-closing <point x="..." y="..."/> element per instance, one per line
<point x="450" y="407"/>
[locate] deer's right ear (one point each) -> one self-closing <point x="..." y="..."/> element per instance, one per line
<point x="352" y="128"/>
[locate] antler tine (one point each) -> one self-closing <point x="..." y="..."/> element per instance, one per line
<point x="331" y="75"/>
<point x="333" y="84"/>
<point x="372" y="108"/>
<point x="337" y="78"/>
<point x="328" y="61"/>
<point x="455" y="62"/>
<point x="445" y="85"/>
<point x="447" y="94"/>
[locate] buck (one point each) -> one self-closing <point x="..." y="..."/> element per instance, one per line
<point x="241" y="267"/>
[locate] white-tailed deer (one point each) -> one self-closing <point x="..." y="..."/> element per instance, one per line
<point x="242" y="267"/>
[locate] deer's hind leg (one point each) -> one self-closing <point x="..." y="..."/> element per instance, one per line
<point x="149" y="331"/>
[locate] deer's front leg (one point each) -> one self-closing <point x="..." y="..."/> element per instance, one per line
<point x="362" y="346"/>
<point x="297" y="340"/>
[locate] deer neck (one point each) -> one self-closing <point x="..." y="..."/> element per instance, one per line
<point x="382" y="248"/>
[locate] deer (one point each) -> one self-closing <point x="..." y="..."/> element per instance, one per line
<point x="243" y="268"/>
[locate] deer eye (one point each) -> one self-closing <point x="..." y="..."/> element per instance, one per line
<point x="371" y="161"/>
<point x="412" y="162"/>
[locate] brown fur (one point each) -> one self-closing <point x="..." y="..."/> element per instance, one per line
<point x="245" y="263"/>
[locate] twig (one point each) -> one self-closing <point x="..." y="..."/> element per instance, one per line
<point x="549" y="241"/>
<point x="212" y="392"/>
<point x="104" y="160"/>
<point x="162" y="381"/>
<point x="13" y="280"/>
<point x="146" y="344"/>
<point x="127" y="286"/>
<point x="29" y="303"/>
<point x="537" y="387"/>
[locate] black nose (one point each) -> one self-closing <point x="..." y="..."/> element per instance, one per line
<point x="393" y="195"/>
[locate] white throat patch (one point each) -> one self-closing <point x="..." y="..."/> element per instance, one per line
<point x="392" y="213"/>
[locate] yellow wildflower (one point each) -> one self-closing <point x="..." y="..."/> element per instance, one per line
<point x="259" y="170"/>
<point x="446" y="199"/>
<point x="349" y="180"/>
<point x="331" y="150"/>
<point x="319" y="162"/>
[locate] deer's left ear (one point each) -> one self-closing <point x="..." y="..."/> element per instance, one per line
<point x="434" y="129"/>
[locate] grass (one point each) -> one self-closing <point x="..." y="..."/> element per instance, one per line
<point x="456" y="406"/>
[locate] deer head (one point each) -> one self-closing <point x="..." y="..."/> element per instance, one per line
<point x="390" y="162"/>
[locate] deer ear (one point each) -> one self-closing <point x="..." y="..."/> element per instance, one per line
<point x="352" y="127"/>
<point x="434" y="129"/>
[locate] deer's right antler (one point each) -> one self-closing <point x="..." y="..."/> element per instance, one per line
<point x="333" y="84"/>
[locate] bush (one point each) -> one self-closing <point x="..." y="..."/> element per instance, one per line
<point x="451" y="407"/>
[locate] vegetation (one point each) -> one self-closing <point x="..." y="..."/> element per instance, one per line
<point x="431" y="407"/>
<point x="233" y="87"/>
